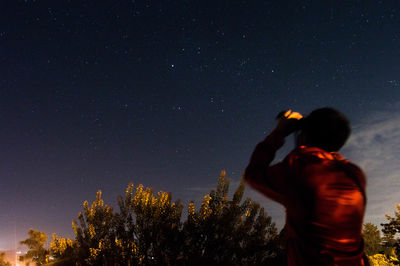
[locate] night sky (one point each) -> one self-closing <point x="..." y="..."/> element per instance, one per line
<point x="97" y="94"/>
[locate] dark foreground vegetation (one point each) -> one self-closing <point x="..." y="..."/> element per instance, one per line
<point x="148" y="229"/>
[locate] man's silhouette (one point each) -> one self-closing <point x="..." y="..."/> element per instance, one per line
<point x="323" y="194"/>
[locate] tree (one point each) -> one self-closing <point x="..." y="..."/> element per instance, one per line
<point x="382" y="260"/>
<point x="390" y="231"/>
<point x="372" y="239"/>
<point x="35" y="243"/>
<point x="94" y="235"/>
<point x="63" y="250"/>
<point x="148" y="230"/>
<point x="229" y="232"/>
<point x="145" y="231"/>
<point x="2" y="260"/>
<point x="149" y="227"/>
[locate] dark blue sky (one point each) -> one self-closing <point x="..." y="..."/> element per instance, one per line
<point x="97" y="94"/>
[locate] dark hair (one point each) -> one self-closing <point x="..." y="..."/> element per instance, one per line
<point x="326" y="128"/>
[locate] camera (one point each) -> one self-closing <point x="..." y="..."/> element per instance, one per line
<point x="297" y="118"/>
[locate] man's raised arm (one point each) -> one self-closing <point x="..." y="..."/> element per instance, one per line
<point x="270" y="180"/>
<point x="259" y="174"/>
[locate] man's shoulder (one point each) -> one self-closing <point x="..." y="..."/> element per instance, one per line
<point x="314" y="155"/>
<point x="307" y="155"/>
<point x="315" y="158"/>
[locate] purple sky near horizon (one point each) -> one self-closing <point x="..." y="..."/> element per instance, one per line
<point x="97" y="94"/>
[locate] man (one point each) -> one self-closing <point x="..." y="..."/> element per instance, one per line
<point x="323" y="194"/>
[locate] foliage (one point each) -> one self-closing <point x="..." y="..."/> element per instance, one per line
<point x="2" y="260"/>
<point x="35" y="243"/>
<point x="148" y="229"/>
<point x="228" y="232"/>
<point x="390" y="231"/>
<point x="372" y="239"/>
<point x="63" y="250"/>
<point x="382" y="260"/>
<point x="95" y="238"/>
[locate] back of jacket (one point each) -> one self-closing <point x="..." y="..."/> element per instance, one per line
<point x="325" y="205"/>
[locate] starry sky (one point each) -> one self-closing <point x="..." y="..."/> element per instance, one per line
<point x="97" y="94"/>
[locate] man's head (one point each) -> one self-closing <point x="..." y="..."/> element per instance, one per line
<point x="325" y="128"/>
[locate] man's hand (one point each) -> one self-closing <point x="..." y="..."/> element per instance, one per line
<point x="288" y="123"/>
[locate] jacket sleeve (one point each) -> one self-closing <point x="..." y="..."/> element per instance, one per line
<point x="269" y="180"/>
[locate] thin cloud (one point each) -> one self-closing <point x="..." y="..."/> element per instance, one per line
<point x="375" y="147"/>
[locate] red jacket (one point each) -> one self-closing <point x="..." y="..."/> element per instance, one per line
<point x="324" y="197"/>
